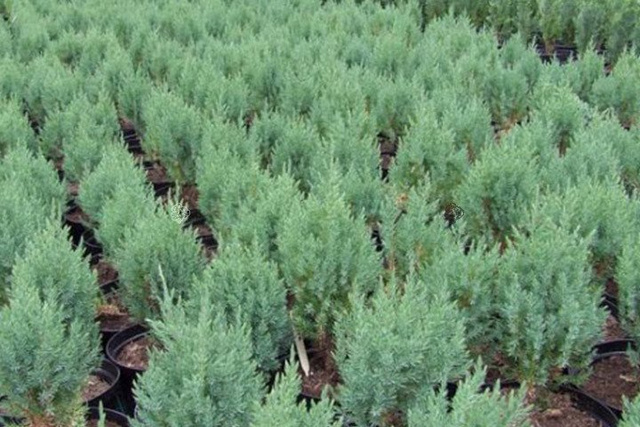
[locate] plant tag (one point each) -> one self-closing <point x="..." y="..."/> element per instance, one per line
<point x="302" y="353"/>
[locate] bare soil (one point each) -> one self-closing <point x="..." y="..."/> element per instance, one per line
<point x="72" y="189"/>
<point x="135" y="354"/>
<point x="94" y="423"/>
<point x="113" y="315"/>
<point x="323" y="370"/>
<point x="612" y="330"/>
<point x="611" y="379"/>
<point x="611" y="287"/>
<point x="106" y="272"/>
<point x="557" y="410"/>
<point x="157" y="174"/>
<point x="561" y="412"/>
<point x="203" y="230"/>
<point x="77" y="215"/>
<point x="189" y="196"/>
<point x="126" y="125"/>
<point x="94" y="388"/>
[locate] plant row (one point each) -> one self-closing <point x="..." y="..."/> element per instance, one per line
<point x="282" y="143"/>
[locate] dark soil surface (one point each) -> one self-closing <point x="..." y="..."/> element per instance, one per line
<point x="77" y="215"/>
<point x="559" y="411"/>
<point x="203" y="230"/>
<point x="322" y="371"/>
<point x="113" y="316"/>
<point x="157" y="174"/>
<point x="94" y="388"/>
<point x="611" y="287"/>
<point x="189" y="195"/>
<point x="94" y="423"/>
<point x="387" y="159"/>
<point x="73" y="188"/>
<point x="562" y="413"/>
<point x="612" y="330"/>
<point x="59" y="164"/>
<point x="612" y="378"/>
<point x="387" y="146"/>
<point x="136" y="353"/>
<point x="106" y="272"/>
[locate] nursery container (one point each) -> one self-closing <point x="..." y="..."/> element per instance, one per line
<point x="162" y="188"/>
<point x="130" y="137"/>
<point x="72" y="219"/>
<point x="208" y="241"/>
<point x="93" y="414"/>
<point x="107" y="331"/>
<point x="592" y="406"/>
<point x="609" y="349"/>
<point x="92" y="247"/>
<point x="195" y="218"/>
<point x="127" y="374"/>
<point x="563" y="53"/>
<point x="110" y="373"/>
<point x="582" y="400"/>
<point x="112" y="416"/>
<point x="377" y="239"/>
<point x="611" y="303"/>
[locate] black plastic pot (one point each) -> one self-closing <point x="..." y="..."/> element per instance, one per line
<point x="110" y="287"/>
<point x="111" y="415"/>
<point x="611" y="303"/>
<point x="107" y="333"/>
<point x="127" y="374"/>
<point x="92" y="247"/>
<point x="609" y="349"/>
<point x="162" y="188"/>
<point x="613" y="348"/>
<point x="563" y="53"/>
<point x="110" y="373"/>
<point x="589" y="404"/>
<point x="76" y="227"/>
<point x="208" y="241"/>
<point x="377" y="239"/>
<point x="132" y="141"/>
<point x="308" y="399"/>
<point x="195" y="218"/>
<point x="583" y="401"/>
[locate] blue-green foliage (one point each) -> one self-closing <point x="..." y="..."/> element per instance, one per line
<point x="245" y="287"/>
<point x="46" y="358"/>
<point x="203" y="375"/>
<point x="281" y="410"/>
<point x="550" y="312"/>
<point x="60" y="274"/>
<point x="156" y="241"/>
<point x="469" y="408"/>
<point x="392" y="349"/>
<point x="627" y="276"/>
<point x="335" y="258"/>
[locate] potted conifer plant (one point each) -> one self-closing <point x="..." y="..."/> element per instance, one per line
<point x="158" y="242"/>
<point x="335" y="259"/>
<point x="244" y="286"/>
<point x="46" y="359"/>
<point x="549" y="309"/>
<point x="203" y="375"/>
<point x="403" y="340"/>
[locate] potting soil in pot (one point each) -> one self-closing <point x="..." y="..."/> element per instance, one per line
<point x="612" y="378"/>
